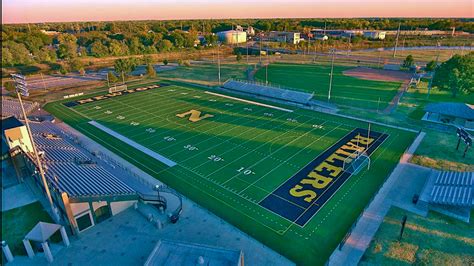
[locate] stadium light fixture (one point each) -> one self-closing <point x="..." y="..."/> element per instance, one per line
<point x="332" y="72"/>
<point x="21" y="88"/>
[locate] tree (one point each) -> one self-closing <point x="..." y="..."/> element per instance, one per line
<point x="124" y="66"/>
<point x="146" y="59"/>
<point x="430" y="66"/>
<point x="75" y="65"/>
<point x="456" y="74"/>
<point x="7" y="57"/>
<point x="239" y="56"/>
<point x="9" y="86"/>
<point x="98" y="49"/>
<point x="165" y="62"/>
<point x="111" y="77"/>
<point x="409" y="61"/>
<point x="67" y="46"/>
<point x="150" y="71"/>
<point x="116" y="48"/>
<point x="165" y="45"/>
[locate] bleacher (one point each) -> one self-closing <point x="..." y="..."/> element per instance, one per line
<point x="70" y="169"/>
<point x="80" y="180"/>
<point x="260" y="89"/>
<point x="62" y="155"/>
<point x="452" y="188"/>
<point x="12" y="107"/>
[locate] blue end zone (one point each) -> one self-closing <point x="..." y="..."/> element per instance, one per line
<point x="298" y="200"/>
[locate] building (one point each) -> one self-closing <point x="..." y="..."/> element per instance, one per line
<point x="232" y="36"/>
<point x="14" y="133"/>
<point x="83" y="191"/>
<point x="170" y="253"/>
<point x="284" y="36"/>
<point x="250" y="31"/>
<point x="455" y="114"/>
<point x="375" y="34"/>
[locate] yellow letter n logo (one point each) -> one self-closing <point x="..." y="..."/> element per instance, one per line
<point x="194" y="115"/>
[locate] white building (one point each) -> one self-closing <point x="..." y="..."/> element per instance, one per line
<point x="375" y="34"/>
<point x="232" y="36"/>
<point x="284" y="36"/>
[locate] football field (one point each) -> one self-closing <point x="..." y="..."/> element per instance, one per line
<point x="273" y="171"/>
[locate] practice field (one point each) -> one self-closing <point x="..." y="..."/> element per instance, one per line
<point x="274" y="172"/>
<point x="346" y="90"/>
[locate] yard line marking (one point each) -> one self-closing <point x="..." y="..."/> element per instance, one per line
<point x="299" y="151"/>
<point x="259" y="161"/>
<point x="135" y="145"/>
<point x="251" y="102"/>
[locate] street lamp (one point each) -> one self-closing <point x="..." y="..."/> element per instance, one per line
<point x="21" y="88"/>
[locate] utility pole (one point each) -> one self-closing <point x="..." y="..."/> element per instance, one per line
<point x="44" y="84"/>
<point x="22" y="89"/>
<point x="433" y="72"/>
<point x="332" y="72"/>
<point x="218" y="65"/>
<point x="396" y="41"/>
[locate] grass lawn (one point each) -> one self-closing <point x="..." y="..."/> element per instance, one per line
<point x="206" y="73"/>
<point x="418" y="55"/>
<point x="414" y="100"/>
<point x="230" y="162"/>
<point x="434" y="240"/>
<point x="16" y="223"/>
<point x="346" y="90"/>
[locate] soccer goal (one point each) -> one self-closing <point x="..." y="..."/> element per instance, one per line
<point x="356" y="162"/>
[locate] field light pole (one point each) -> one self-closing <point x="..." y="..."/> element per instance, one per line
<point x="396" y="41"/>
<point x="330" y="75"/>
<point x="21" y="89"/>
<point x="218" y="65"/>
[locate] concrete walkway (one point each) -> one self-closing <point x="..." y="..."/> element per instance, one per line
<point x="17" y="196"/>
<point x="396" y="189"/>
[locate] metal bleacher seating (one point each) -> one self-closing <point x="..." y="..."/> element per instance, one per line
<point x="70" y="169"/>
<point x="259" y="89"/>
<point x="453" y="188"/>
<point x="85" y="180"/>
<point x="12" y="107"/>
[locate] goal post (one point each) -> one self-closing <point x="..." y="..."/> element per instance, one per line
<point x="355" y="162"/>
<point x="118" y="88"/>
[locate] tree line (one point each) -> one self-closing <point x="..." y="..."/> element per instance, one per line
<point x="26" y="44"/>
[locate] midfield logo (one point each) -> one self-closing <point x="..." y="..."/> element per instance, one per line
<point x="194" y="115"/>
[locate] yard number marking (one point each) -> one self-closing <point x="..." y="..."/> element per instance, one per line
<point x="190" y="147"/>
<point x="121" y="117"/>
<point x="245" y="171"/>
<point x="169" y="138"/>
<point x="215" y="158"/>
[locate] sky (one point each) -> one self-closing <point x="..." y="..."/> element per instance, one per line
<point x="27" y="11"/>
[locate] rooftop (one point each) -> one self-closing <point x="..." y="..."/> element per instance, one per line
<point x="461" y="110"/>
<point x="185" y="254"/>
<point x="10" y="122"/>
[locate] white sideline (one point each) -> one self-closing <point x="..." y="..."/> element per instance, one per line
<point x="132" y="143"/>
<point x="247" y="101"/>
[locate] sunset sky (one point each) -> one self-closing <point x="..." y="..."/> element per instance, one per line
<point x="19" y="11"/>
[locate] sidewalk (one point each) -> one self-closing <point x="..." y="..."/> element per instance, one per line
<point x="368" y="224"/>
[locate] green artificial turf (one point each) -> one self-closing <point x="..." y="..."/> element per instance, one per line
<point x="346" y="90"/>
<point x="271" y="144"/>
